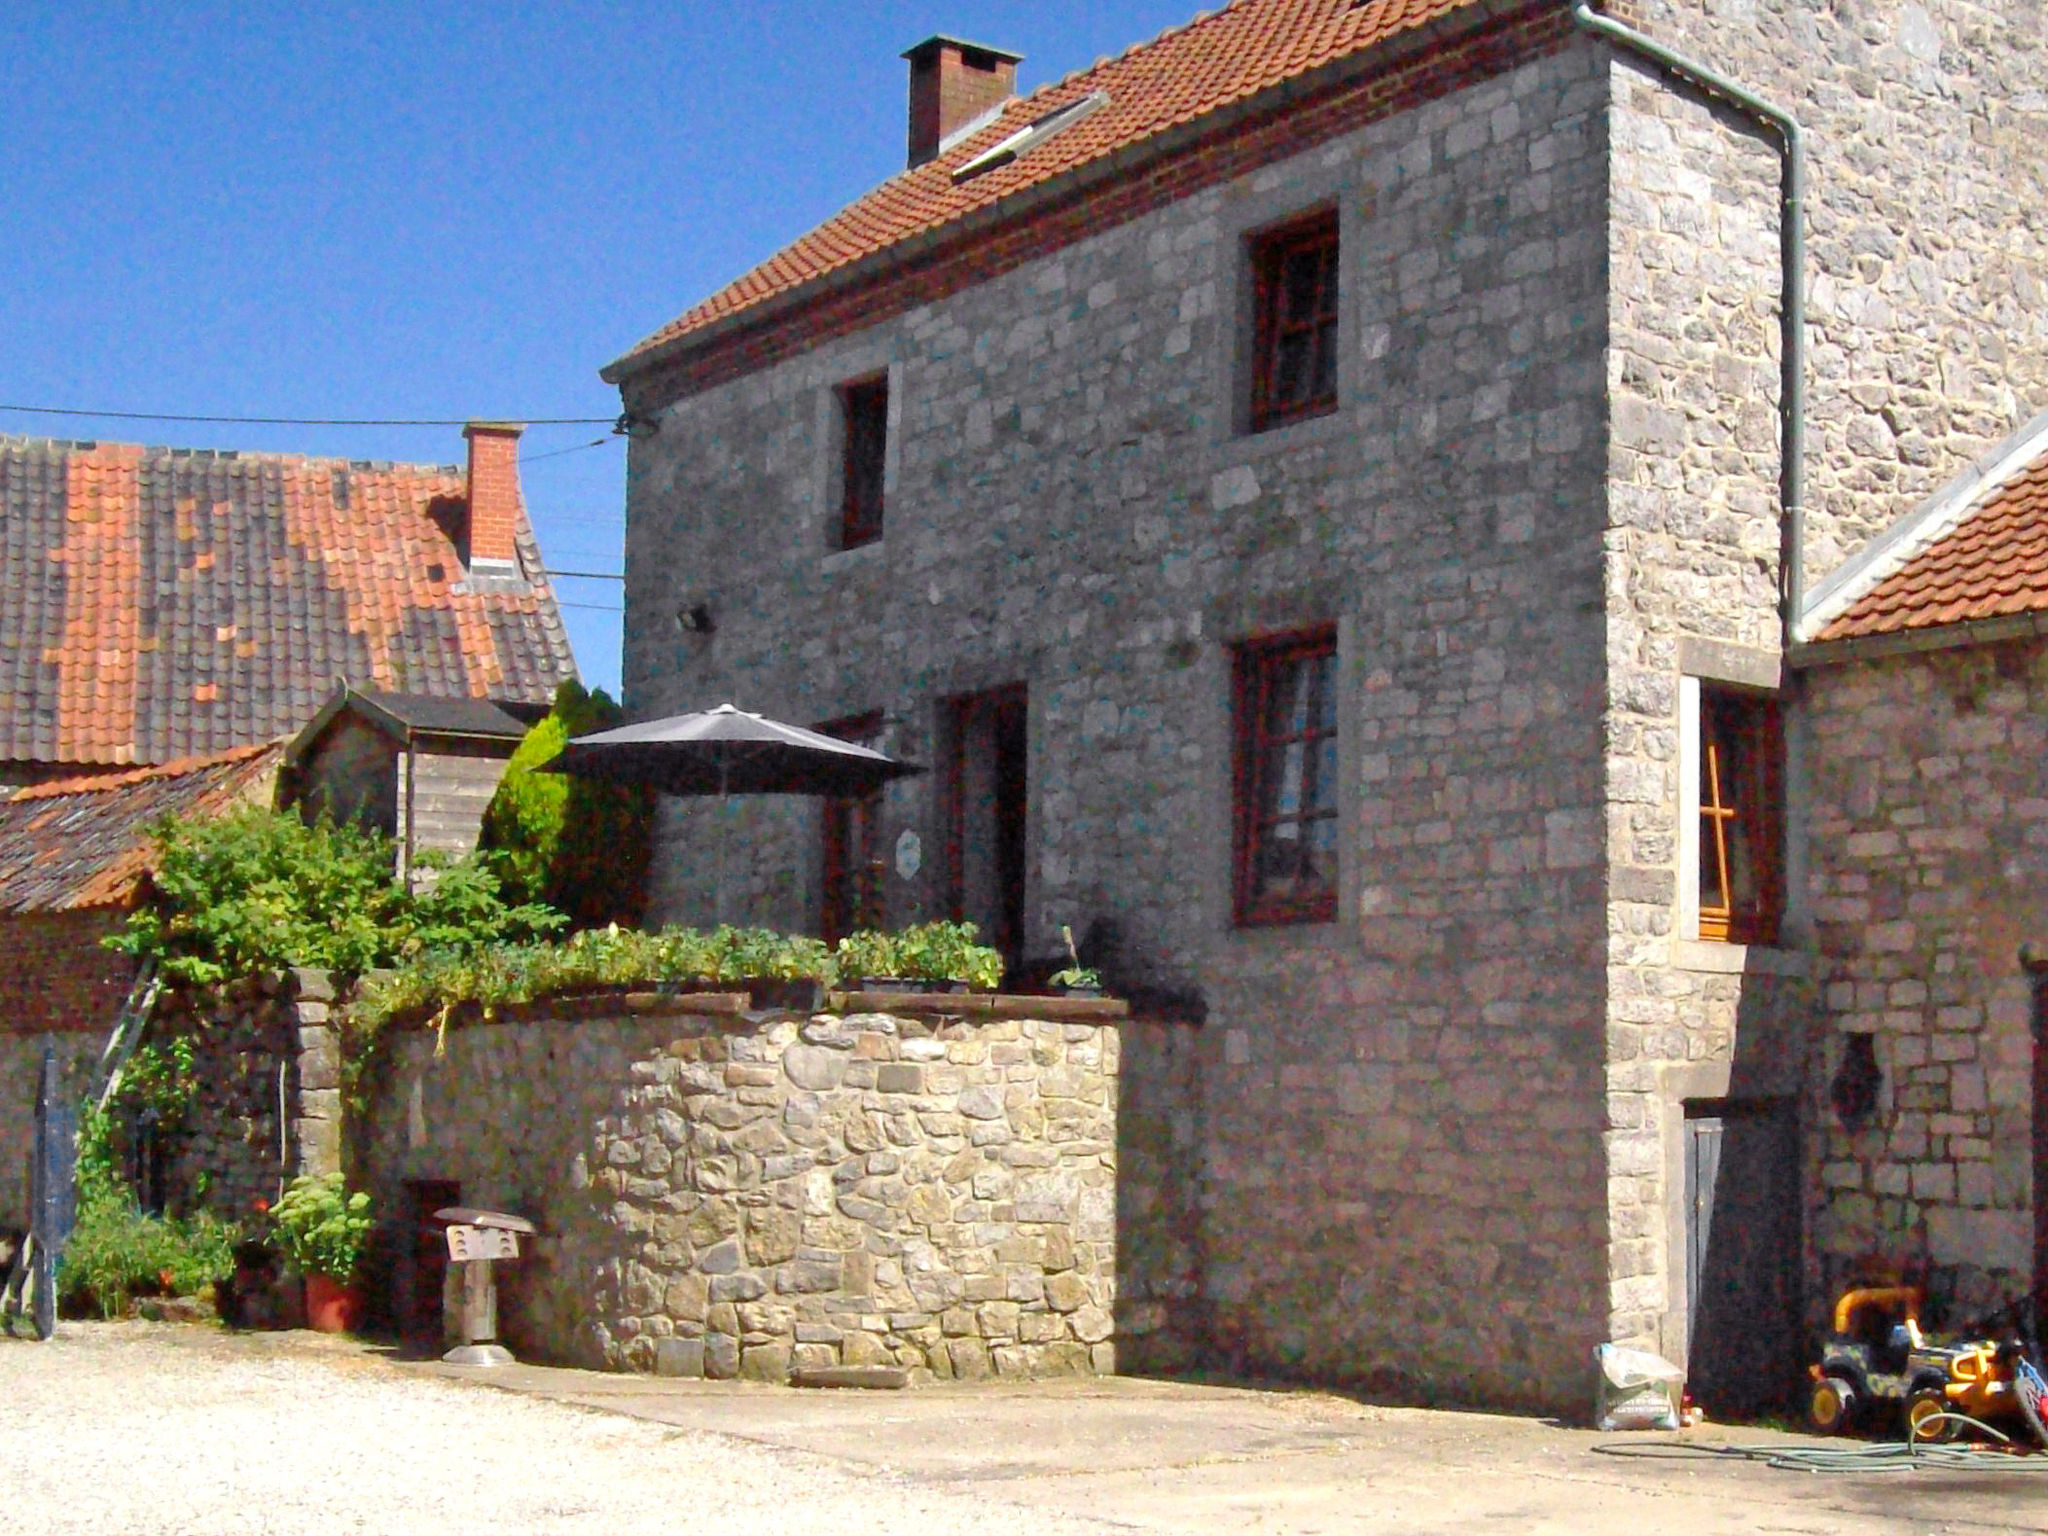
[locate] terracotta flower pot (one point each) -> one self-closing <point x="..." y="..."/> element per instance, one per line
<point x="332" y="1307"/>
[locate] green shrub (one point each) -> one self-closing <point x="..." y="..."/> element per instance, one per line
<point x="116" y="1252"/>
<point x="262" y="890"/>
<point x="942" y="951"/>
<point x="321" y="1226"/>
<point x="576" y="845"/>
<point x="870" y="952"/>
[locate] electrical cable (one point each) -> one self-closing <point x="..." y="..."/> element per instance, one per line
<point x="591" y="575"/>
<point x="590" y="607"/>
<point x="304" y="421"/>
<point x="535" y="458"/>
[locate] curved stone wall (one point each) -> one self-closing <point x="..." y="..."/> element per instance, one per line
<point x="733" y="1196"/>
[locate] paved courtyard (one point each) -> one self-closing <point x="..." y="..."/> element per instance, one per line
<point x="139" y="1428"/>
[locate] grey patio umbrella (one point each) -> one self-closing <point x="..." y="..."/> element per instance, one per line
<point x="727" y="751"/>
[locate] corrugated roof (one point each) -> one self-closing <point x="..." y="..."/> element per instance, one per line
<point x="85" y="842"/>
<point x="1976" y="551"/>
<point x="1183" y="74"/>
<point x="158" y="604"/>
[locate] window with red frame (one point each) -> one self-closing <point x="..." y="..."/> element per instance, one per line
<point x="1742" y="811"/>
<point x="853" y="853"/>
<point x="864" y="421"/>
<point x="1294" y="348"/>
<point x="1286" y="800"/>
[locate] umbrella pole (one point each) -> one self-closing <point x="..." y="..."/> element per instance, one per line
<point x="724" y="836"/>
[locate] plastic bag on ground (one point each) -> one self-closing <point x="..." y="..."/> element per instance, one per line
<point x="1638" y="1390"/>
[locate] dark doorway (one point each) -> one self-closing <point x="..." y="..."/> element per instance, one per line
<point x="852" y="883"/>
<point x="1742" y="1203"/>
<point x="987" y="740"/>
<point x="423" y="1261"/>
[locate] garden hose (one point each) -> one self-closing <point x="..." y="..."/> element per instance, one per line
<point x="1882" y="1456"/>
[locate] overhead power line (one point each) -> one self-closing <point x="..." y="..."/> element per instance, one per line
<point x="592" y="575"/>
<point x="535" y="458"/>
<point x="592" y="607"/>
<point x="308" y="421"/>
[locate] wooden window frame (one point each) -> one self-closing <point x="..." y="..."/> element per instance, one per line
<point x="1272" y="327"/>
<point x="1256" y="664"/>
<point x="1749" y="794"/>
<point x="863" y="408"/>
<point x="835" y="922"/>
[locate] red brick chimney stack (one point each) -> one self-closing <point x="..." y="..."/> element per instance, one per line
<point x="493" y="495"/>
<point x="951" y="84"/>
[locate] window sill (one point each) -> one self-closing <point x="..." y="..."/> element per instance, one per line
<point x="848" y="559"/>
<point x="1248" y="447"/>
<point x="1717" y="959"/>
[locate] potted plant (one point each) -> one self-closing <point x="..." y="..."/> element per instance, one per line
<point x="873" y="961"/>
<point x="689" y="960"/>
<point x="950" y="954"/>
<point x="1077" y="980"/>
<point x="324" y="1229"/>
<point x="777" y="971"/>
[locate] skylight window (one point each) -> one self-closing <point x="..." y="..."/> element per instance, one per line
<point x="1028" y="138"/>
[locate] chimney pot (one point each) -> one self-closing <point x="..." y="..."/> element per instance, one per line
<point x="952" y="82"/>
<point x="494" y="496"/>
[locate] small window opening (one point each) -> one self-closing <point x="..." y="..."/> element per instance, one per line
<point x="1741" y="817"/>
<point x="1294" y="348"/>
<point x="864" y="411"/>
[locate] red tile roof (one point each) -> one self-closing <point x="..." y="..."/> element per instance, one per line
<point x="158" y="603"/>
<point x="1993" y="563"/>
<point x="1181" y="75"/>
<point x="86" y="842"/>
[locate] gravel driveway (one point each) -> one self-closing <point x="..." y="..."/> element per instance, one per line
<point x="131" y="1428"/>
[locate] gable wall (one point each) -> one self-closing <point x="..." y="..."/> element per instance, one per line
<point x="1928" y="253"/>
<point x="1399" y="1113"/>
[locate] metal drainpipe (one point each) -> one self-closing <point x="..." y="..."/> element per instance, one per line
<point x="1792" y="317"/>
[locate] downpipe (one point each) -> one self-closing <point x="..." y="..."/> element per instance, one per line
<point x="1791" y="139"/>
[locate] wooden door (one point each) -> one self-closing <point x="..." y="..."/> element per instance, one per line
<point x="1742" y="1256"/>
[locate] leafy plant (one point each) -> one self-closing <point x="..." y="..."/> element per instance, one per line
<point x="1076" y="975"/>
<point x="870" y="952"/>
<point x="943" y="951"/>
<point x="116" y="1251"/>
<point x="570" y="843"/>
<point x="261" y="890"/>
<point x="322" y="1226"/>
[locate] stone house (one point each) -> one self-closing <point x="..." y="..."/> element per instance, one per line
<point x="1328" y="493"/>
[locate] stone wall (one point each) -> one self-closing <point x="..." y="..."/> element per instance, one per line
<point x="1403" y="1170"/>
<point x="268" y="1106"/>
<point x="724" y="1195"/>
<point x="1929" y="876"/>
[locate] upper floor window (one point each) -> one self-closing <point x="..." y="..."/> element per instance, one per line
<point x="1286" y="784"/>
<point x="864" y="424"/>
<point x="1742" y="810"/>
<point x="1294" y="347"/>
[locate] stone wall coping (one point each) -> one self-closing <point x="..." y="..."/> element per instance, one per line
<point x="571" y="1008"/>
<point x="985" y="1005"/>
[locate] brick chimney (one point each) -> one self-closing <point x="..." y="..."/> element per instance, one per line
<point x="493" y="496"/>
<point x="951" y="84"/>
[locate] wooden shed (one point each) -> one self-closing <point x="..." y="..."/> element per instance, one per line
<point x="418" y="768"/>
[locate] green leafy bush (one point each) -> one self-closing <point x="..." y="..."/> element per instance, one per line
<point x="321" y="1226"/>
<point x="261" y="890"/>
<point x="573" y="844"/>
<point x="116" y="1252"/>
<point x="942" y="951"/>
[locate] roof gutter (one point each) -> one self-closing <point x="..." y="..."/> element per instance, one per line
<point x="1792" y="309"/>
<point x="1083" y="178"/>
<point x="1918" y="642"/>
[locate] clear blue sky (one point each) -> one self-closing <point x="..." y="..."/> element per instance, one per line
<point x="434" y="210"/>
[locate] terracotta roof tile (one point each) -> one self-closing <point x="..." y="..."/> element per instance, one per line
<point x="85" y="842"/>
<point x="1185" y="73"/>
<point x="1993" y="563"/>
<point x="157" y="603"/>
